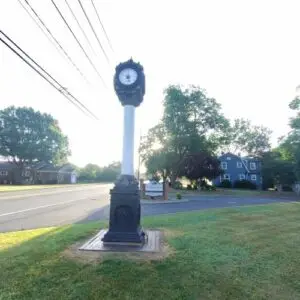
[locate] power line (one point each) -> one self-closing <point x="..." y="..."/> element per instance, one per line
<point x="53" y="37"/>
<point x="106" y="35"/>
<point x="62" y="89"/>
<point x="78" y="23"/>
<point x="96" y="36"/>
<point x="74" y="36"/>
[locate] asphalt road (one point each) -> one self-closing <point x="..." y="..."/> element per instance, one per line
<point x="77" y="204"/>
<point x="51" y="207"/>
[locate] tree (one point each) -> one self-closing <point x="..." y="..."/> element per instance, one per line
<point x="160" y="163"/>
<point x="276" y="169"/>
<point x="109" y="173"/>
<point x="246" y="138"/>
<point x="94" y="173"/>
<point x="202" y="165"/>
<point x="89" y="172"/>
<point x="27" y="136"/>
<point x="191" y="122"/>
<point x="290" y="145"/>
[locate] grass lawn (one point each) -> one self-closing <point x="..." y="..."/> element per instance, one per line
<point x="239" y="253"/>
<point x="234" y="192"/>
<point x="15" y="188"/>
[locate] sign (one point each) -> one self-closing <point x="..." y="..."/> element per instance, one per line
<point x="154" y="189"/>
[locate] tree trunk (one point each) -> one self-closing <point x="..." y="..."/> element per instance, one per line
<point x="173" y="179"/>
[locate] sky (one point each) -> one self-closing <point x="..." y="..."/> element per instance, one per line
<point x="246" y="54"/>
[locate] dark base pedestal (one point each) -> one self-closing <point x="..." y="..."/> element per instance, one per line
<point x="125" y="213"/>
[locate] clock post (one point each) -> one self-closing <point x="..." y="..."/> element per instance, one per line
<point x="125" y="208"/>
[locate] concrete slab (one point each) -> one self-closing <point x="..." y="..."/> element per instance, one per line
<point x="152" y="243"/>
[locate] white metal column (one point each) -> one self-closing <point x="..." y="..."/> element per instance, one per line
<point x="128" y="140"/>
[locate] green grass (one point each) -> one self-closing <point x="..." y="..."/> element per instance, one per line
<point x="234" y="192"/>
<point x="239" y="253"/>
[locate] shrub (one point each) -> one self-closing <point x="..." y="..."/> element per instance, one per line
<point x="178" y="196"/>
<point x="225" y="184"/>
<point x="244" y="184"/>
<point x="287" y="188"/>
<point x="178" y="185"/>
<point x="189" y="187"/>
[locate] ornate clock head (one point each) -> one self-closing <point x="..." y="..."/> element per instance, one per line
<point x="128" y="76"/>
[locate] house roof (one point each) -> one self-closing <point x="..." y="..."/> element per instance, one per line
<point x="42" y="166"/>
<point x="6" y="165"/>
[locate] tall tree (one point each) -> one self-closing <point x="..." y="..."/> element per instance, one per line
<point x="27" y="136"/>
<point x="290" y="145"/>
<point x="277" y="169"/>
<point x="191" y="122"/>
<point x="248" y="139"/>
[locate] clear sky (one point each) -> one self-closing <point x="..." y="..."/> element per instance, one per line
<point x="246" y="54"/>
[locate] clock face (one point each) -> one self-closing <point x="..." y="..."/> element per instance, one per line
<point x="128" y="76"/>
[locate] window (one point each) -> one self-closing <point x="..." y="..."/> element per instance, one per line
<point x="253" y="177"/>
<point x="252" y="166"/>
<point x="224" y="165"/>
<point x="242" y="176"/>
<point x="26" y="173"/>
<point x="239" y="164"/>
<point x="226" y="176"/>
<point x="228" y="158"/>
<point x="3" y="173"/>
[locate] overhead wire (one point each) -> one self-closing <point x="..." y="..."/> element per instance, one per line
<point x="106" y="35"/>
<point x="61" y="88"/>
<point x="96" y="36"/>
<point x="81" y="29"/>
<point x="78" y="42"/>
<point x="57" y="43"/>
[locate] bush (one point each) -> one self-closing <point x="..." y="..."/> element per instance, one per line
<point x="178" y="185"/>
<point x="189" y="187"/>
<point x="244" y="184"/>
<point x="225" y="184"/>
<point x="178" y="196"/>
<point x="287" y="188"/>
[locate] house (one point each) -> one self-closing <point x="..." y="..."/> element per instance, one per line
<point x="37" y="173"/>
<point x="49" y="174"/>
<point x="236" y="168"/>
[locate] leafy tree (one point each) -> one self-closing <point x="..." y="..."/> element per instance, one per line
<point x="276" y="169"/>
<point x="94" y="173"/>
<point x="191" y="122"/>
<point x="202" y="165"/>
<point x="246" y="138"/>
<point x="290" y="145"/>
<point x="109" y="173"/>
<point x="89" y="172"/>
<point x="160" y="163"/>
<point x="27" y="136"/>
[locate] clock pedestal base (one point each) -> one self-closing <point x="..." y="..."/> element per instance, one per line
<point x="125" y="213"/>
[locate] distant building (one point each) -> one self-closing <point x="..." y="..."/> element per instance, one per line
<point x="236" y="168"/>
<point x="37" y="173"/>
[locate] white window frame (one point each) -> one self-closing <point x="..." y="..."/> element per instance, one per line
<point x="224" y="165"/>
<point x="253" y="177"/>
<point x="226" y="176"/>
<point x="239" y="164"/>
<point x="26" y="173"/>
<point x="3" y="173"/>
<point x="242" y="176"/>
<point x="252" y="165"/>
<point x="228" y="158"/>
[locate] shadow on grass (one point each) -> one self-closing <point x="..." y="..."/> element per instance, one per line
<point x="31" y="267"/>
<point x="221" y="254"/>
